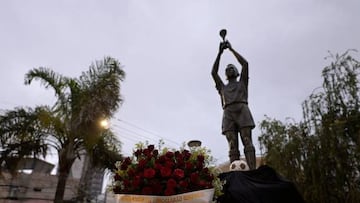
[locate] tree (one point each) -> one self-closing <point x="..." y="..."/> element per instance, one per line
<point x="321" y="153"/>
<point x="71" y="125"/>
<point x="21" y="137"/>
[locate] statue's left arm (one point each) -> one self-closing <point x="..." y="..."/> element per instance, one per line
<point x="244" y="64"/>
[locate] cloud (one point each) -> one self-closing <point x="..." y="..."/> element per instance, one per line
<point x="167" y="50"/>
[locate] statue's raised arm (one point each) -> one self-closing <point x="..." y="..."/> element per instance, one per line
<point x="215" y="69"/>
<point x="245" y="65"/>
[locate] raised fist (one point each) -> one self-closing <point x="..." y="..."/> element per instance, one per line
<point x="222" y="46"/>
<point x="227" y="44"/>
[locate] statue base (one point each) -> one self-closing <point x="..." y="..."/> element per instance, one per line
<point x="258" y="186"/>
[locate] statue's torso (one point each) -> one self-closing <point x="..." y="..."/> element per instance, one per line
<point x="234" y="93"/>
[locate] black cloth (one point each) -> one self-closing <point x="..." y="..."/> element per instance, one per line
<point x="262" y="185"/>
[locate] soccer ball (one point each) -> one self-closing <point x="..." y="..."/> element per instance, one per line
<point x="239" y="165"/>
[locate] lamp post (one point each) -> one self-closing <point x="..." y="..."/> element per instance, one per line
<point x="194" y="143"/>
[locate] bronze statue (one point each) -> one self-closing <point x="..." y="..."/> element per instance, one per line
<point x="237" y="117"/>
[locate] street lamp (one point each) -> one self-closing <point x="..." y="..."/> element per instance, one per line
<point x="194" y="143"/>
<point x="104" y="123"/>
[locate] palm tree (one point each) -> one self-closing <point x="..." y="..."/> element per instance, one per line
<point x="20" y="136"/>
<point x="71" y="125"/>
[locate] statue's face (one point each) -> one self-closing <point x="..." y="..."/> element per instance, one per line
<point x="231" y="71"/>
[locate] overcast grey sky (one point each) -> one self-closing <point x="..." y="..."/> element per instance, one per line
<point x="167" y="49"/>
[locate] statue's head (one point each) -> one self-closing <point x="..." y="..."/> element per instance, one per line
<point x="231" y="71"/>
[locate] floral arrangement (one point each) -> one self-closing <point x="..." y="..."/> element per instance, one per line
<point x="165" y="173"/>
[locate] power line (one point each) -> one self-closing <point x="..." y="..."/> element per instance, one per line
<point x="128" y="137"/>
<point x="149" y="132"/>
<point x="133" y="132"/>
<point x="125" y="132"/>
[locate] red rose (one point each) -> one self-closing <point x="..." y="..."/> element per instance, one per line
<point x="189" y="165"/>
<point x="149" y="173"/>
<point x="200" y="158"/>
<point x="199" y="165"/>
<point x="202" y="183"/>
<point x="127" y="160"/>
<point x="125" y="164"/>
<point x="169" y="191"/>
<point x="169" y="154"/>
<point x="178" y="173"/>
<point x="146" y="152"/>
<point x="131" y="172"/>
<point x="142" y="163"/>
<point x="155" y="153"/>
<point x="205" y="170"/>
<point x="169" y="164"/>
<point x="151" y="147"/>
<point x="209" y="177"/>
<point x="165" y="172"/>
<point x="183" y="184"/>
<point x="161" y="159"/>
<point x="171" y="183"/>
<point x="157" y="188"/>
<point x="147" y="191"/>
<point x="136" y="182"/>
<point x="126" y="183"/>
<point x="186" y="154"/>
<point x="158" y="166"/>
<point x="137" y="153"/>
<point x="194" y="177"/>
<point x="117" y="177"/>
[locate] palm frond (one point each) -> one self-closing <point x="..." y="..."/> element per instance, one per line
<point x="101" y="88"/>
<point x="106" y="152"/>
<point x="49" y="78"/>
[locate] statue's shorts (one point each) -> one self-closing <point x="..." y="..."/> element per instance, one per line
<point x="236" y="117"/>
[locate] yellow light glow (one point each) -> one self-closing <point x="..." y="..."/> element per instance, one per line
<point x="104" y="123"/>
